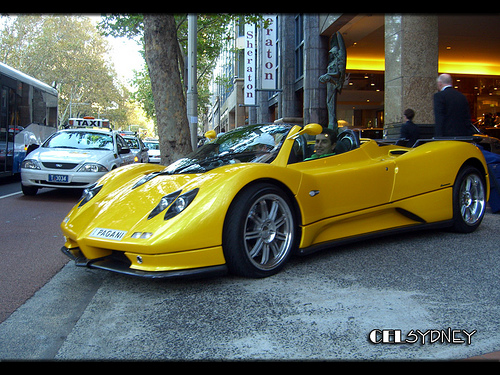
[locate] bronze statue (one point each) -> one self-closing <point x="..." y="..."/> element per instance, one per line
<point x="334" y="77"/>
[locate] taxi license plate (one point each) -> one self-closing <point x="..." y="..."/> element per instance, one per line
<point x="58" y="178"/>
<point x="109" y="234"/>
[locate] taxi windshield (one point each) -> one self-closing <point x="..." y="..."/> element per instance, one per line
<point x="80" y="140"/>
<point x="248" y="144"/>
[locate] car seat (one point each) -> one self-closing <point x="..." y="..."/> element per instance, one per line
<point x="347" y="140"/>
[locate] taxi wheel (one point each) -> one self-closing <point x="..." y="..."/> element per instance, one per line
<point x="29" y="190"/>
<point x="259" y="232"/>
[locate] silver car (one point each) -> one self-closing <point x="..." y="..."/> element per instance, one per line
<point x="153" y="151"/>
<point x="138" y="148"/>
<point x="73" y="158"/>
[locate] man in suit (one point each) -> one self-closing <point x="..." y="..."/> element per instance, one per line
<point x="451" y="110"/>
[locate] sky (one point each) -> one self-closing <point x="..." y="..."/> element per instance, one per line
<point x="124" y="54"/>
<point x="126" y="58"/>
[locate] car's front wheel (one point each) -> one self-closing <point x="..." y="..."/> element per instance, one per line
<point x="469" y="200"/>
<point x="259" y="231"/>
<point x="29" y="190"/>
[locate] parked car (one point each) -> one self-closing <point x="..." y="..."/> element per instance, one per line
<point x="153" y="151"/>
<point x="249" y="199"/>
<point x="138" y="148"/>
<point x="73" y="158"/>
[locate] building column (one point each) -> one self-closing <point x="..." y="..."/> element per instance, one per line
<point x="411" y="69"/>
<point x="240" y="99"/>
<point x="287" y="107"/>
<point x="315" y="65"/>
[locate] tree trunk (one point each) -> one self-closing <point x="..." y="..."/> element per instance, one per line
<point x="161" y="51"/>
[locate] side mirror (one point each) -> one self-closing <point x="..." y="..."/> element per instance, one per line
<point x="312" y="129"/>
<point x="211" y="134"/>
<point x="31" y="147"/>
<point x="309" y="129"/>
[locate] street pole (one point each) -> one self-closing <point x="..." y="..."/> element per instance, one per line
<point x="192" y="92"/>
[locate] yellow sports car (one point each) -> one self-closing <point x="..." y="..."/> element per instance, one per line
<point x="249" y="199"/>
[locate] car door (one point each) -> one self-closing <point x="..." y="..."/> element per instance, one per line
<point x="144" y="151"/>
<point x="340" y="184"/>
<point x="123" y="156"/>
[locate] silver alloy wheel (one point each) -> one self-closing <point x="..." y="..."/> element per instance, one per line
<point x="268" y="232"/>
<point x="472" y="199"/>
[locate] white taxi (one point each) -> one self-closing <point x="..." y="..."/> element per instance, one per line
<point x="73" y="158"/>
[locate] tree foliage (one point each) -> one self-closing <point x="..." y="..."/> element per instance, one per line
<point x="212" y="33"/>
<point x="70" y="52"/>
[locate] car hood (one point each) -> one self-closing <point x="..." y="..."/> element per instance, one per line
<point x="54" y="155"/>
<point x="121" y="206"/>
<point x="122" y="194"/>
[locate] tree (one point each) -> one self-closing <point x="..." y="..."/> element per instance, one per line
<point x="212" y="32"/>
<point x="162" y="57"/>
<point x="69" y="51"/>
<point x="167" y="39"/>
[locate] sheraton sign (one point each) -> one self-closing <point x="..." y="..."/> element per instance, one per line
<point x="268" y="77"/>
<point x="250" y="46"/>
<point x="268" y="59"/>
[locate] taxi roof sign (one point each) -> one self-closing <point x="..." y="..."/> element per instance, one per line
<point x="89" y="121"/>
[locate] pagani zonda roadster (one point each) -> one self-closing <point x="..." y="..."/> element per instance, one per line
<point x="247" y="200"/>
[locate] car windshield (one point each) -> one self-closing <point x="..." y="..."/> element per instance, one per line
<point x="248" y="144"/>
<point x="152" y="145"/>
<point x="132" y="142"/>
<point x="80" y="140"/>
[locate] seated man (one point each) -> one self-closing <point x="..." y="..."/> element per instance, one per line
<point x="325" y="144"/>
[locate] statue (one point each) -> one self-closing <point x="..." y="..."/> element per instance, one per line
<point x="334" y="77"/>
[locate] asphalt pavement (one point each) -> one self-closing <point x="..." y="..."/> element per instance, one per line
<point x="429" y="295"/>
<point x="29" y="240"/>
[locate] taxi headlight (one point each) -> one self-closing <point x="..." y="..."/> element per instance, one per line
<point x="92" y="167"/>
<point x="30" y="164"/>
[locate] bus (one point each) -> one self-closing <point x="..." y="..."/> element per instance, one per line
<point x="28" y="115"/>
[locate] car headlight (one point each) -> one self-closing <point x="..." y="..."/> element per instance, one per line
<point x="89" y="193"/>
<point x="92" y="167"/>
<point x="164" y="203"/>
<point x="180" y="204"/>
<point x="30" y="164"/>
<point x="175" y="202"/>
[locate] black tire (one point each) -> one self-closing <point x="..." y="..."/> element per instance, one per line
<point x="29" y="190"/>
<point x="259" y="231"/>
<point x="469" y="200"/>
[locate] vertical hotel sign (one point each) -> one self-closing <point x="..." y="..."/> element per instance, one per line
<point x="268" y="52"/>
<point x="250" y="46"/>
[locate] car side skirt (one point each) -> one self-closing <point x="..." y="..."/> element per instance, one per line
<point x="368" y="236"/>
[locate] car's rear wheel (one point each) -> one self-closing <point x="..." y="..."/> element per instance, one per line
<point x="469" y="200"/>
<point x="259" y="232"/>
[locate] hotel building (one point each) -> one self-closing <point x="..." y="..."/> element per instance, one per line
<point x="272" y="74"/>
